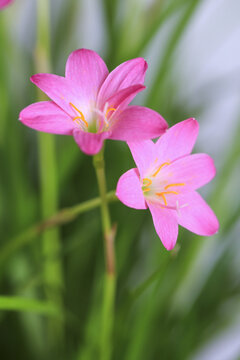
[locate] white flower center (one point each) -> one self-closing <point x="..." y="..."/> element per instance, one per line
<point x="100" y="121"/>
<point x="158" y="188"/>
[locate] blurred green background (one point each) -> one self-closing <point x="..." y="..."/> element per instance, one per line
<point x="183" y="304"/>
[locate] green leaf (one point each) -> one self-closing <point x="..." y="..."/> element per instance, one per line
<point x="15" y="303"/>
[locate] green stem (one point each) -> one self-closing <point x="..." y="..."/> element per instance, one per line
<point x="17" y="303"/>
<point x="52" y="266"/>
<point x="110" y="277"/>
<point x="63" y="216"/>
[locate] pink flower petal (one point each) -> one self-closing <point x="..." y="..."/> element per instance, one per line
<point x="129" y="190"/>
<point x="4" y="3"/>
<point x="143" y="153"/>
<point x="62" y="91"/>
<point x="129" y="73"/>
<point x="193" y="170"/>
<point x="87" y="70"/>
<point x="137" y="123"/>
<point x="48" y="117"/>
<point x="178" y="140"/>
<point x="197" y="216"/>
<point x="90" y="143"/>
<point x="123" y="97"/>
<point x="165" y="222"/>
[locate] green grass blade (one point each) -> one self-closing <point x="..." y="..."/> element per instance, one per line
<point x="163" y="70"/>
<point x="156" y="17"/>
<point x="16" y="303"/>
<point x="62" y="217"/>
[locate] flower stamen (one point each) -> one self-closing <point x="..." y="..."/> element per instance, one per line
<point x="177" y="184"/>
<point x="146" y="190"/>
<point x="147" y="182"/>
<point x="110" y="109"/>
<point x="163" y="193"/>
<point x="106" y="114"/>
<point x="81" y="117"/>
<point x="160" y="167"/>
<point x="163" y="197"/>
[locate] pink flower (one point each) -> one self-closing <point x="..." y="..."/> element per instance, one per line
<point x="4" y="3"/>
<point x="166" y="180"/>
<point x="91" y="104"/>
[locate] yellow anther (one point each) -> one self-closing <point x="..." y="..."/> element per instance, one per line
<point x="163" y="197"/>
<point x="110" y="109"/>
<point x="162" y="194"/>
<point x="160" y="167"/>
<point x="146" y="190"/>
<point x="171" y="192"/>
<point x="81" y="117"/>
<point x="146" y="183"/>
<point x="149" y="182"/>
<point x="177" y="184"/>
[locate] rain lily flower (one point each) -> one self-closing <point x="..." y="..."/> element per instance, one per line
<point x="165" y="182"/>
<point x="4" y="3"/>
<point x="91" y="104"/>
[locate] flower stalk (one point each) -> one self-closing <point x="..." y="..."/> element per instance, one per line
<point x="64" y="216"/>
<point x="110" y="276"/>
